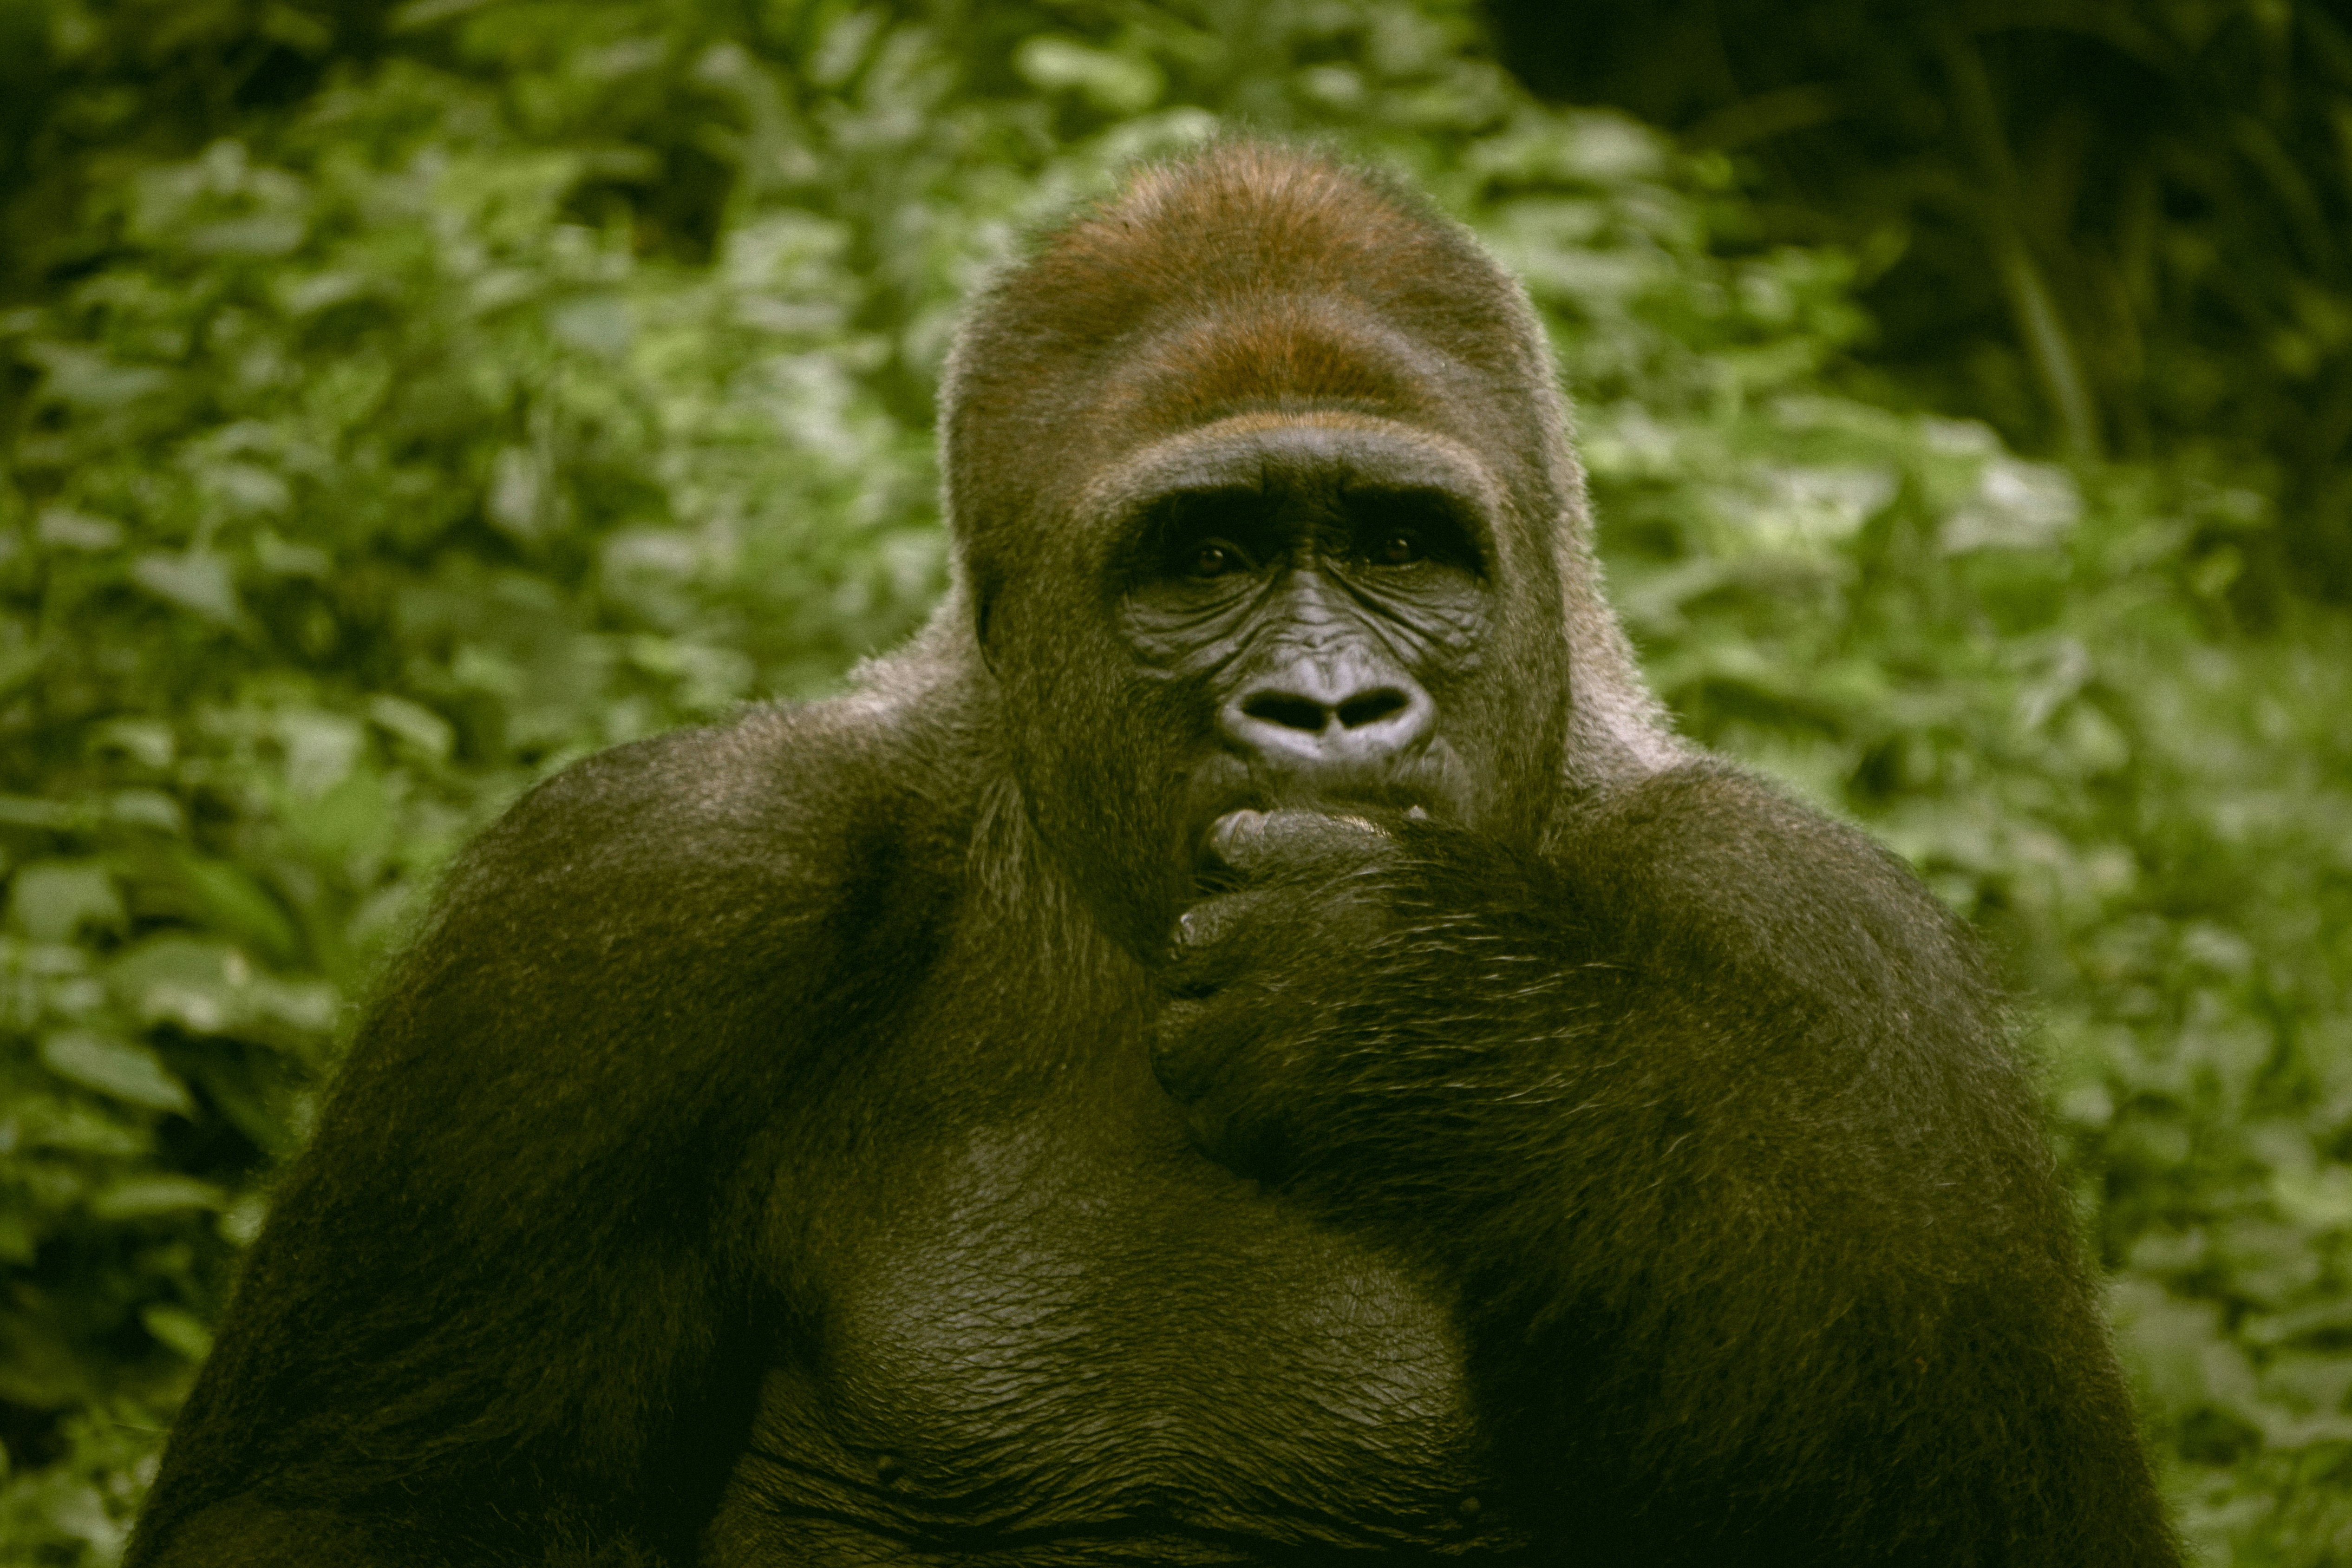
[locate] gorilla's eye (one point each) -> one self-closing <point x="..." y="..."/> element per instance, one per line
<point x="1202" y="535"/>
<point x="1213" y="557"/>
<point x="1409" y="526"/>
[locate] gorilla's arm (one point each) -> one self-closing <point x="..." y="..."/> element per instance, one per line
<point x="500" y="1301"/>
<point x="1712" y="1121"/>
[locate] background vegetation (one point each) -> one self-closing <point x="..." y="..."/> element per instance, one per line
<point x="2104" y="226"/>
<point x="397" y="402"/>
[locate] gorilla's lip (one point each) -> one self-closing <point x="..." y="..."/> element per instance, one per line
<point x="1226" y="785"/>
<point x="1336" y="810"/>
<point x="1211" y="844"/>
<point x="1240" y="839"/>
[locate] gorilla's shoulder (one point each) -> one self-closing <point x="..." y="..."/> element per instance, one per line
<point x="653" y="902"/>
<point x="789" y="808"/>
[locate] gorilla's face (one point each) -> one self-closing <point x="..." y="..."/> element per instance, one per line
<point x="1274" y="516"/>
<point x="1319" y="610"/>
<point x="1320" y="598"/>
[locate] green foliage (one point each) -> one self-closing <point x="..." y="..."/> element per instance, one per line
<point x="516" y="377"/>
<point x="2101" y="225"/>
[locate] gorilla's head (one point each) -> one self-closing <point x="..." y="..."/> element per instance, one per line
<point x="1264" y="498"/>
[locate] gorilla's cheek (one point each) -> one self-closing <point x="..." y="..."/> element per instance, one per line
<point x="1108" y="764"/>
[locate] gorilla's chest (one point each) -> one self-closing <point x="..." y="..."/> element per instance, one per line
<point x="1075" y="1341"/>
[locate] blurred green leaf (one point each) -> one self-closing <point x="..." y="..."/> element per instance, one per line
<point x="54" y="900"/>
<point x="113" y="1066"/>
<point x="198" y="583"/>
<point x="138" y="1197"/>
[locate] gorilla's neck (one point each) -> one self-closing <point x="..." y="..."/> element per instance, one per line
<point x="1024" y="921"/>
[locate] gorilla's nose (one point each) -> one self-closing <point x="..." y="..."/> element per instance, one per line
<point x="1313" y="718"/>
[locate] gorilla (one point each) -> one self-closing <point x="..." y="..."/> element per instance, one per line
<point x="1248" y="1041"/>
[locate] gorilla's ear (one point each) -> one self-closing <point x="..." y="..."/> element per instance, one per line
<point x="970" y="588"/>
<point x="984" y="606"/>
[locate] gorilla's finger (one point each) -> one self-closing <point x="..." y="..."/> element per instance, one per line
<point x="1186" y="1058"/>
<point x="1256" y="845"/>
<point x="1212" y="920"/>
<point x="1202" y="955"/>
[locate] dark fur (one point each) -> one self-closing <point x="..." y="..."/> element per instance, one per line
<point x="798" y="1141"/>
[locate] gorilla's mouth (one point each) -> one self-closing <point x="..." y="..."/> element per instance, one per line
<point x="1233" y="806"/>
<point x="1248" y="843"/>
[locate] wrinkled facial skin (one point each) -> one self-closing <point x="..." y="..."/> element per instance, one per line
<point x="1319" y="613"/>
<point x="1288" y="615"/>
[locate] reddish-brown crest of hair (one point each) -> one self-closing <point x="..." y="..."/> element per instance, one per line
<point x="1249" y="277"/>
<point x="1254" y="278"/>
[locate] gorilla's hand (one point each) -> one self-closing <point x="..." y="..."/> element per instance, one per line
<point x="1279" y="1033"/>
<point x="1243" y="973"/>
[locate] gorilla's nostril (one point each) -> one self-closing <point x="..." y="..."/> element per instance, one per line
<point x="1372" y="707"/>
<point x="1289" y="711"/>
